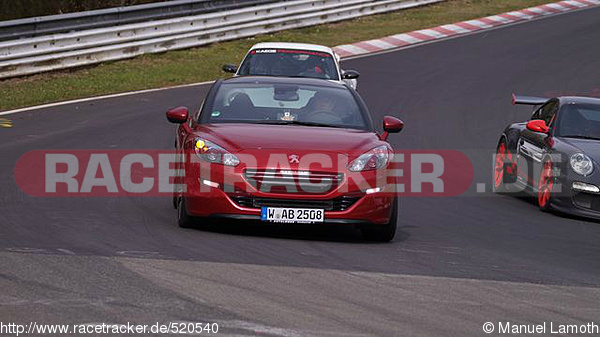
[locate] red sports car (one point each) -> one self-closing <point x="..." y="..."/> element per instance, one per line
<point x="290" y="150"/>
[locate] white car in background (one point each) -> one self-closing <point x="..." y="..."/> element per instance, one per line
<point x="285" y="59"/>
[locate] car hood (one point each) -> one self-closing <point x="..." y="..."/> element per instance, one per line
<point x="589" y="147"/>
<point x="239" y="137"/>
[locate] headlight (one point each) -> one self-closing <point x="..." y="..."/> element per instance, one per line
<point x="581" y="164"/>
<point x="211" y="152"/>
<point x="371" y="160"/>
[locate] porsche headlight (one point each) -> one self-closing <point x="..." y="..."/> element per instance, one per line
<point x="371" y="160"/>
<point x="211" y="152"/>
<point x="581" y="164"/>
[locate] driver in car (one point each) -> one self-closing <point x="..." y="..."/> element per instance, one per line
<point x="321" y="109"/>
<point x="315" y="67"/>
<point x="323" y="103"/>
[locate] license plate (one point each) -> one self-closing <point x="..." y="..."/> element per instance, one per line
<point x="292" y="215"/>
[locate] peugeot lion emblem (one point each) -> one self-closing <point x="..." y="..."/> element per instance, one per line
<point x="294" y="159"/>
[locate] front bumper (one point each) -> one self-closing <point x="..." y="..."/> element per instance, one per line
<point x="231" y="192"/>
<point x="577" y="202"/>
<point x="368" y="209"/>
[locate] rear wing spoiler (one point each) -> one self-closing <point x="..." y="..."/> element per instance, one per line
<point x="528" y="100"/>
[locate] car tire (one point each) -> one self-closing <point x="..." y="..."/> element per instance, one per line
<point x="499" y="171"/>
<point x="183" y="218"/>
<point x="383" y="233"/>
<point x="545" y="186"/>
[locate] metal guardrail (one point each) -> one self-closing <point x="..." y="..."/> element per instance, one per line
<point x="45" y="53"/>
<point x="54" y="24"/>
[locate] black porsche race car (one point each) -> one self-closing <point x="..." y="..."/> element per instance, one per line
<point x="554" y="155"/>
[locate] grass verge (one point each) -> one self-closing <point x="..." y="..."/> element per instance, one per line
<point x="204" y="63"/>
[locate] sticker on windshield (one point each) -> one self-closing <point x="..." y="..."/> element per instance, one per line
<point x="266" y="50"/>
<point x="287" y="116"/>
<point x="215" y="113"/>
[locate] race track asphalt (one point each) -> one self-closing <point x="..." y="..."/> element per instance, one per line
<point x="455" y="264"/>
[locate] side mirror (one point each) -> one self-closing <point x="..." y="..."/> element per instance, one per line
<point x="350" y="74"/>
<point x="537" y="125"/>
<point x="178" y="115"/>
<point x="230" y="68"/>
<point x="391" y="125"/>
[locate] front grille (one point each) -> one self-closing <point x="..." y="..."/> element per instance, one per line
<point x="292" y="181"/>
<point x="337" y="204"/>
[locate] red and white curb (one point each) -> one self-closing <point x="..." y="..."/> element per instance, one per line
<point x="460" y="28"/>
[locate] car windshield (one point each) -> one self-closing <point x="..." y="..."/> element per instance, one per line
<point x="289" y="63"/>
<point x="579" y="121"/>
<point x="276" y="103"/>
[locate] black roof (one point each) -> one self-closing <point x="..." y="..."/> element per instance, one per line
<point x="578" y="99"/>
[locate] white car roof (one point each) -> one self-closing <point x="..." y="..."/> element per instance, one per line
<point x="289" y="45"/>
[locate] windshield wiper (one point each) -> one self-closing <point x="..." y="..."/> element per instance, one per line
<point x="581" y="137"/>
<point x="280" y="122"/>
